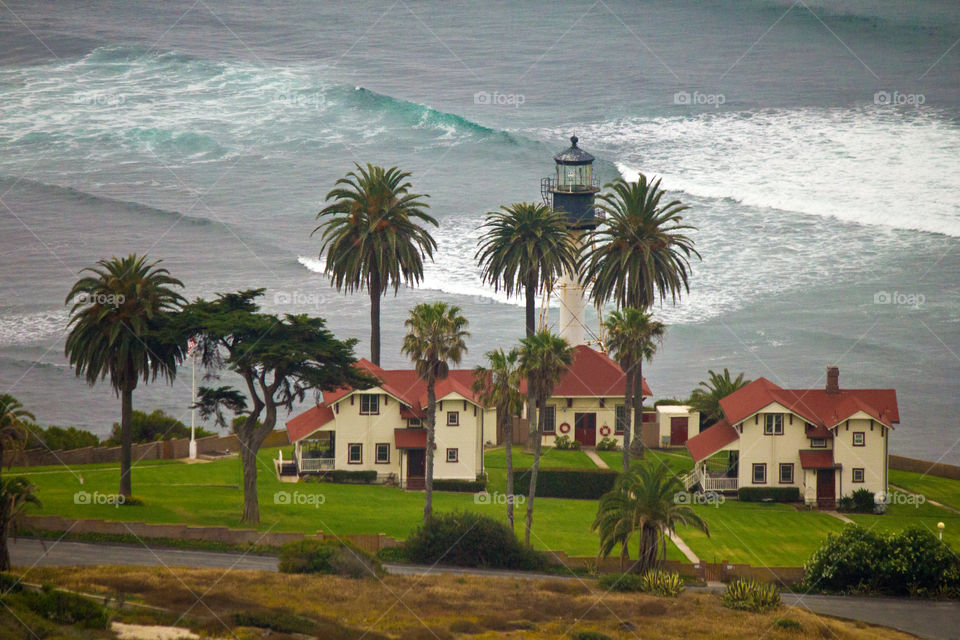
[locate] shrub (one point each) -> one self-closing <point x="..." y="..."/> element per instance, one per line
<point x="327" y="556"/>
<point x="352" y="477"/>
<point x="461" y="486"/>
<point x="787" y="623"/>
<point x="863" y="501"/>
<point x="608" y="444"/>
<point x="657" y="582"/>
<point x="587" y="484"/>
<point x="662" y="583"/>
<point x="470" y="540"/>
<point x="845" y="504"/>
<point x="63" y="607"/>
<point x="152" y="427"/>
<point x="56" y="438"/>
<point x="279" y="621"/>
<point x="392" y="554"/>
<point x="751" y="595"/>
<point x="565" y="443"/>
<point x="771" y="494"/>
<point x="10" y="583"/>
<point x="624" y="582"/>
<point x="590" y="635"/>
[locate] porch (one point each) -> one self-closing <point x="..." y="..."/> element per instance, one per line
<point x="316" y="454"/>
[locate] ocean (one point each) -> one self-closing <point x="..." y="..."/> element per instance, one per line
<point x="816" y="143"/>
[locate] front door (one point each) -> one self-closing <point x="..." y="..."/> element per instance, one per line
<point x="678" y="431"/>
<point x="416" y="468"/>
<point x="585" y="428"/>
<point x="826" y="492"/>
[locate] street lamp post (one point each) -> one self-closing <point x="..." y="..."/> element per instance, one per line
<point x="940" y="526"/>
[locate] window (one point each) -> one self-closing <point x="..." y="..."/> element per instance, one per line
<point x="773" y="424"/>
<point x="453" y="418"/>
<point x="355" y="453"/>
<point x="383" y="453"/>
<point x="858" y="474"/>
<point x="760" y="473"/>
<point x="786" y="473"/>
<point x="453" y="455"/>
<point x="414" y="422"/>
<point x="369" y="405"/>
<point x="818" y="443"/>
<point x="621" y="421"/>
<point x="859" y="439"/>
<point x="550" y="419"/>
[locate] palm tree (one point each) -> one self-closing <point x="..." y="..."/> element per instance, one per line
<point x="639" y="252"/>
<point x="499" y="386"/>
<point x="15" y="494"/>
<point x="435" y="338"/>
<point x="13" y="431"/>
<point x="373" y="236"/>
<point x="118" y="327"/>
<point x="544" y="358"/>
<point x="525" y="247"/>
<point x="644" y="501"/>
<point x="706" y="400"/>
<point x="632" y="337"/>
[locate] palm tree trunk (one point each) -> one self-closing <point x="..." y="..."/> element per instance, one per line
<point x="628" y="415"/>
<point x="531" y="321"/>
<point x="537" y="440"/>
<point x="431" y="438"/>
<point x="507" y="422"/>
<point x="375" y="295"/>
<point x="637" y="446"/>
<point x="126" y="441"/>
<point x="649" y="550"/>
<point x="4" y="533"/>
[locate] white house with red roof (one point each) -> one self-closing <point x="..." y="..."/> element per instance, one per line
<point x="825" y="442"/>
<point x="381" y="429"/>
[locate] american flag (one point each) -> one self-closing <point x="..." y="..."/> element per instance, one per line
<point x="191" y="346"/>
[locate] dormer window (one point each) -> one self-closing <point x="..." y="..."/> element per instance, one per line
<point x="369" y="405"/>
<point x="773" y="424"/>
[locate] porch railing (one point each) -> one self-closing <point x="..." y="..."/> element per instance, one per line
<point x="708" y="482"/>
<point x="308" y="464"/>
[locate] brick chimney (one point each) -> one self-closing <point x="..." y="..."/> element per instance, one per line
<point x="833" y="381"/>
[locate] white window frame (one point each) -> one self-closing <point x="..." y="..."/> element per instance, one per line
<point x="370" y="399"/>
<point x="456" y="418"/>
<point x="773" y="424"/>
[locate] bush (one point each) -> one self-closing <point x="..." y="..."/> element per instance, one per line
<point x="751" y="595"/>
<point x="10" y="583"/>
<point x="624" y="582"/>
<point x="587" y="484"/>
<point x="565" y="443"/>
<point x="392" y="554"/>
<point x="330" y="557"/>
<point x="657" y="582"/>
<point x="787" y="623"/>
<point x="461" y="486"/>
<point x="152" y="427"/>
<point x="342" y="476"/>
<point x="912" y="562"/>
<point x="66" y="608"/>
<point x="470" y="540"/>
<point x="608" y="444"/>
<point x="863" y="501"/>
<point x="590" y="635"/>
<point x="279" y="621"/>
<point x="845" y="504"/>
<point x="56" y="438"/>
<point x="769" y="494"/>
<point x="662" y="583"/>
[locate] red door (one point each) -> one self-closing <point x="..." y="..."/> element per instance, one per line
<point x="585" y="428"/>
<point x="416" y="468"/>
<point x="678" y="431"/>
<point x="826" y="492"/>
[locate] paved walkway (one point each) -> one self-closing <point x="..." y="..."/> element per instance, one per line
<point x="687" y="551"/>
<point x="840" y="516"/>
<point x="934" y="620"/>
<point x="597" y="460"/>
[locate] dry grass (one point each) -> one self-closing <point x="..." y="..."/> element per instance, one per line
<point x="440" y="607"/>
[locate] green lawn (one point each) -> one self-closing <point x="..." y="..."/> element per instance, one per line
<point x="943" y="490"/>
<point x="209" y="494"/>
<point x="678" y="460"/>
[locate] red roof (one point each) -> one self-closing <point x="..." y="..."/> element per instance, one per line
<point x="409" y="388"/>
<point x="817" y="459"/>
<point x="309" y="421"/>
<point x="705" y="444"/>
<point x="816" y="406"/>
<point x="592" y="374"/>
<point x="410" y="438"/>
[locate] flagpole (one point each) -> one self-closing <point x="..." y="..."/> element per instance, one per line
<point x="193" y="410"/>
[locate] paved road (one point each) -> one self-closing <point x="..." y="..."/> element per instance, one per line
<point x="935" y="620"/>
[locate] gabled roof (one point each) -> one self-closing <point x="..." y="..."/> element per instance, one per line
<point x="592" y="374"/>
<point x="705" y="444"/>
<point x="309" y="421"/>
<point x="816" y="406"/>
